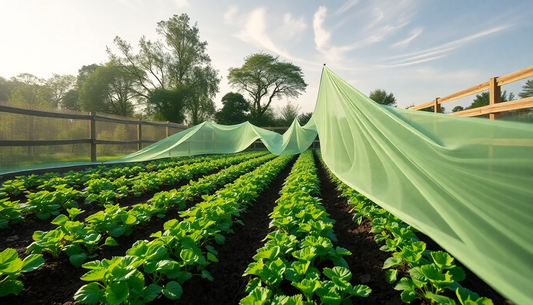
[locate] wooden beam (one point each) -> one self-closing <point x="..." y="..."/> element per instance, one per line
<point x="423" y="106"/>
<point x="123" y="142"/>
<point x="513" y="77"/>
<point x="139" y="136"/>
<point x="43" y="142"/>
<point x="500" y="107"/>
<point x="45" y="114"/>
<point x="466" y="92"/>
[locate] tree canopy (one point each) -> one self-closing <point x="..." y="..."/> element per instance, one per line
<point x="179" y="62"/>
<point x="483" y="99"/>
<point x="287" y="114"/>
<point x="265" y="76"/>
<point x="380" y="96"/>
<point x="527" y="89"/>
<point x="234" y="110"/>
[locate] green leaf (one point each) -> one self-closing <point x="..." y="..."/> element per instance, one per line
<point x="60" y="219"/>
<point x="116" y="293"/>
<point x="457" y="273"/>
<point x="110" y="241"/>
<point x="440" y="299"/>
<point x="173" y="290"/>
<point x="211" y="249"/>
<point x="254" y="283"/>
<point x="361" y="291"/>
<point x="117" y="230"/>
<point x="89" y="294"/>
<point x="308" y="287"/>
<point x="391" y="276"/>
<point x="151" y="292"/>
<point x="268" y="253"/>
<point x="11" y="287"/>
<point x="418" y="277"/>
<point x="93" y="275"/>
<point x="207" y="275"/>
<point x="156" y="234"/>
<point x="341" y="272"/>
<point x="442" y="259"/>
<point x="77" y="259"/>
<point x="408" y="295"/>
<point x="220" y="239"/>
<point x="405" y="284"/>
<point x="392" y="262"/>
<point x="183" y="276"/>
<point x="32" y="262"/>
<point x="211" y="257"/>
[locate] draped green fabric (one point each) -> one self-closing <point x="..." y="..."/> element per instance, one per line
<point x="465" y="182"/>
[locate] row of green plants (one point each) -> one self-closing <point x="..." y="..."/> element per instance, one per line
<point x="46" y="204"/>
<point x="300" y="246"/>
<point x="414" y="270"/>
<point x="181" y="251"/>
<point x="78" y="179"/>
<point x="80" y="240"/>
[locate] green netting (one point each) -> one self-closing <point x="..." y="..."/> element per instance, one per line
<point x="465" y="182"/>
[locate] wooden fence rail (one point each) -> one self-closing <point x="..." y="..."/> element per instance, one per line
<point x="92" y="118"/>
<point x="494" y="87"/>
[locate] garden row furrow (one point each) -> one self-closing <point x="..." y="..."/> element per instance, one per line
<point x="287" y="269"/>
<point x="419" y="273"/>
<point x="181" y="251"/>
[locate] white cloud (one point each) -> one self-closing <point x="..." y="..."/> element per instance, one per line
<point x="230" y="15"/>
<point x="291" y="27"/>
<point x="321" y="36"/>
<point x="182" y="4"/>
<point x="422" y="56"/>
<point x="414" y="33"/>
<point x="346" y="6"/>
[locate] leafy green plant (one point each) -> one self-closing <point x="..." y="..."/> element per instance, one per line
<point x="13" y="187"/>
<point x="10" y="212"/>
<point x="10" y="268"/>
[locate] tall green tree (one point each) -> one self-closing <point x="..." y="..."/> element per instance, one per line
<point x="31" y="92"/>
<point x="108" y="90"/>
<point x="168" y="102"/>
<point x="380" y="96"/>
<point x="179" y="61"/>
<point x="59" y="85"/>
<point x="234" y="110"/>
<point x="5" y="88"/>
<point x="527" y="89"/>
<point x="483" y="99"/>
<point x="265" y="76"/>
<point x="287" y="114"/>
<point x="304" y="118"/>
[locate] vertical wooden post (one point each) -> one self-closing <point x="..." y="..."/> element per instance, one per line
<point x="495" y="95"/>
<point x="436" y="106"/>
<point x="139" y="136"/>
<point x="92" y="136"/>
<point x="167" y="130"/>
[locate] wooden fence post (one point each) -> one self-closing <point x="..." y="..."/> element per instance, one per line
<point x="139" y="136"/>
<point x="436" y="106"/>
<point x="167" y="130"/>
<point x="92" y="136"/>
<point x="495" y="95"/>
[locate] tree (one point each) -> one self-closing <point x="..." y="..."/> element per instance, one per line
<point x="108" y="90"/>
<point x="59" y="85"/>
<point x="30" y="92"/>
<point x="234" y="110"/>
<point x="527" y="89"/>
<point x="483" y="99"/>
<point x="380" y="96"/>
<point x="304" y="118"/>
<point x="458" y="108"/>
<point x="5" y="88"/>
<point x="186" y="63"/>
<point x="71" y="100"/>
<point x="263" y="75"/>
<point x="168" y="105"/>
<point x="287" y="114"/>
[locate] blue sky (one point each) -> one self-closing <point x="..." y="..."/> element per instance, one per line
<point x="418" y="50"/>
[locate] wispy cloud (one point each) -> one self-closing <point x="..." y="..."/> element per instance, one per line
<point x="291" y="27"/>
<point x="254" y="32"/>
<point x="321" y="35"/>
<point x="413" y="34"/>
<point x="182" y="3"/>
<point x="346" y="7"/>
<point x="444" y="49"/>
<point x="230" y="15"/>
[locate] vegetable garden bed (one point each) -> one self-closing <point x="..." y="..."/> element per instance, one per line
<point x="224" y="257"/>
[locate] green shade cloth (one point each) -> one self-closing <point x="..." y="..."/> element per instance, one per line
<point x="465" y="182"/>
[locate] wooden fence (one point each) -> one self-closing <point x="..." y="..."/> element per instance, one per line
<point x="495" y="106"/>
<point x="92" y="118"/>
